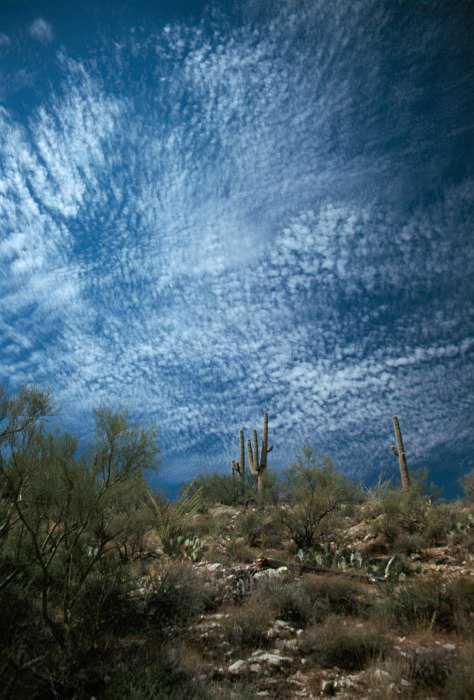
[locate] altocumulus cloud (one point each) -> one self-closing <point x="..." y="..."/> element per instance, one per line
<point x="41" y="30"/>
<point x="205" y="221"/>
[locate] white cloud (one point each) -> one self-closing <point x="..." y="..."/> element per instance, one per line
<point x="5" y="40"/>
<point x="214" y="253"/>
<point x="42" y="31"/>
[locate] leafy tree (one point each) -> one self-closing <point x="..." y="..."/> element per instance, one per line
<point x="67" y="522"/>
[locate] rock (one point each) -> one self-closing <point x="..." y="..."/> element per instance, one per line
<point x="271" y="658"/>
<point x="288" y="644"/>
<point x="280" y="629"/>
<point x="238" y="667"/>
<point x="214" y="567"/>
<point x="449" y="647"/>
<point x="271" y="573"/>
<point x="381" y="675"/>
<point x="255" y="668"/>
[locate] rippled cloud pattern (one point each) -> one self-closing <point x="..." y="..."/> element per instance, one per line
<point x="266" y="208"/>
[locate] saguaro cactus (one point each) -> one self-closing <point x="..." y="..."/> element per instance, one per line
<point x="399" y="451"/>
<point x="258" y="459"/>
<point x="238" y="467"/>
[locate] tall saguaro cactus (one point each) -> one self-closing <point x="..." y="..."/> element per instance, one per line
<point x="258" y="458"/>
<point x="399" y="451"/>
<point x="238" y="467"/>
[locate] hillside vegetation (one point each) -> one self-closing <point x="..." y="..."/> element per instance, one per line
<point x="247" y="586"/>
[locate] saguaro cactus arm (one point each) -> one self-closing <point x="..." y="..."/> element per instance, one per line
<point x="256" y="453"/>
<point x="400" y="453"/>
<point x="242" y="453"/>
<point x="251" y="458"/>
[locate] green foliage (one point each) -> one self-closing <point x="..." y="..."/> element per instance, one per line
<point x="316" y="494"/>
<point x="66" y="523"/>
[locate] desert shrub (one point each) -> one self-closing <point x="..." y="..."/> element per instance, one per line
<point x="311" y="599"/>
<point x="236" y="550"/>
<point x="316" y="495"/>
<point x="173" y="522"/>
<point x="260" y="529"/>
<point x="247" y="626"/>
<point x="428" y="668"/>
<point x="409" y="520"/>
<point x="106" y="605"/>
<point x="288" y="601"/>
<point x="250" y="527"/>
<point x="440" y="520"/>
<point x="436" y="602"/>
<point x="461" y="683"/>
<point x="217" y="489"/>
<point x="462" y="532"/>
<point x="335" y="595"/>
<point x="348" y="647"/>
<point x="151" y="676"/>
<point x="467" y="484"/>
<point x="179" y="596"/>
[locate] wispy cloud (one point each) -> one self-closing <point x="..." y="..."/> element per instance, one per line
<point x="232" y="224"/>
<point x="5" y="41"/>
<point x="41" y="30"/>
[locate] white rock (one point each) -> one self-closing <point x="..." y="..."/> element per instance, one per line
<point x="214" y="567"/>
<point x="380" y="674"/>
<point x="239" y="666"/>
<point x="271" y="658"/>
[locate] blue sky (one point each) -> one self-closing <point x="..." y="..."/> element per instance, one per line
<point x="209" y="210"/>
